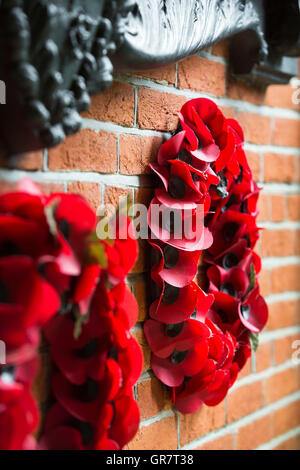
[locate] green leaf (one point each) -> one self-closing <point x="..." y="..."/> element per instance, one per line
<point x="252" y="279"/>
<point x="125" y="205"/>
<point x="254" y="341"/>
<point x="50" y="211"/>
<point x="79" y="321"/>
<point x="97" y="253"/>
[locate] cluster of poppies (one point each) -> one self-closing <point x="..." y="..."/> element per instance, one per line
<point x="57" y="276"/>
<point x="206" y="204"/>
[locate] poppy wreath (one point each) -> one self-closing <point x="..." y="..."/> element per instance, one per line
<point x="58" y="278"/>
<point x="202" y="337"/>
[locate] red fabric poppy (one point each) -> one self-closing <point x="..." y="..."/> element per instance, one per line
<point x="201" y="341"/>
<point x="172" y="371"/>
<point x="253" y="311"/>
<point x="164" y="339"/>
<point x="54" y="271"/>
<point x="183" y="229"/>
<point x="18" y="410"/>
<point x="175" y="267"/>
<point x="175" y="305"/>
<point x="27" y="301"/>
<point x="234" y="282"/>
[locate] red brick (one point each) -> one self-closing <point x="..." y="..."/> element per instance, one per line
<point x="281" y="384"/>
<point x="254" y="163"/>
<point x="157" y="110"/>
<point x="280" y="96"/>
<point x="161" y="435"/>
<point x="28" y="161"/>
<point x="7" y="187"/>
<point x="48" y="188"/>
<point x="277" y="243"/>
<point x="221" y="443"/>
<point x="286" y="418"/>
<point x="263" y="357"/>
<point x="283" y="314"/>
<point x="239" y="90"/>
<point x="286" y="132"/>
<point x="90" y="191"/>
<point x="113" y="105"/>
<point x="294" y="207"/>
<point x="257" y="129"/>
<point x="200" y="74"/>
<point x="290" y="444"/>
<point x="205" y="420"/>
<point x="297" y="242"/>
<point x="265" y="282"/>
<point x="286" y="278"/>
<point x="141" y="293"/>
<point x="140" y="337"/>
<point x="143" y="196"/>
<point x="283" y="349"/>
<point x="263" y="207"/>
<point x="228" y="112"/>
<point x="246" y="370"/>
<point x="162" y="75"/>
<point x="220" y="49"/>
<point x="278" y="208"/>
<point x="244" y="400"/>
<point x="115" y="196"/>
<point x="254" y="434"/>
<point x="142" y="264"/>
<point x="279" y="168"/>
<point x="87" y="151"/>
<point x="137" y="152"/>
<point x="153" y="397"/>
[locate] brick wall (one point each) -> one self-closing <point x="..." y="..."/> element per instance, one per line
<point x="108" y="158"/>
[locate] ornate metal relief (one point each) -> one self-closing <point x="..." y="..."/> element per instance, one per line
<point x="54" y="54"/>
<point x="169" y="30"/>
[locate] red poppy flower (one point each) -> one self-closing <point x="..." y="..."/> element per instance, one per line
<point x="184" y="185"/>
<point x="230" y="227"/>
<point x="209" y="386"/>
<point x="164" y="339"/>
<point x="122" y="255"/>
<point x="50" y="263"/>
<point x="204" y="164"/>
<point x="18" y="411"/>
<point x="63" y="432"/>
<point x="253" y="311"/>
<point x="234" y="282"/>
<point x="175" y="305"/>
<point x="207" y="131"/>
<point x="243" y="198"/>
<point x="176" y="267"/>
<point x="26" y="301"/>
<point x="239" y="256"/>
<point x="183" y="229"/>
<point x="243" y="349"/>
<point x="172" y="370"/>
<point x="126" y="420"/>
<point x="19" y="420"/>
<point x="224" y="311"/>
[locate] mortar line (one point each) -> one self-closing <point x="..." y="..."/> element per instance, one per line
<point x="232" y="427"/>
